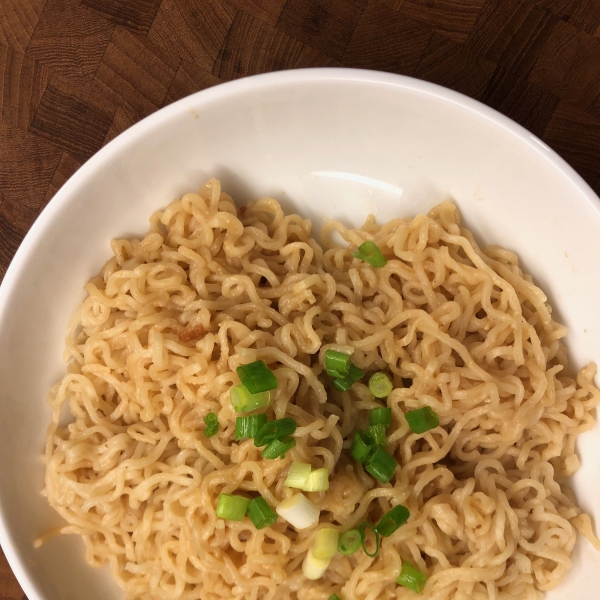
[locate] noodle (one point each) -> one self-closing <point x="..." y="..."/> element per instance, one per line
<point x="154" y="348"/>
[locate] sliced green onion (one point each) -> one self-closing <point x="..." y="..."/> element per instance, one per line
<point x="278" y="448"/>
<point x="337" y="364"/>
<point x="274" y="430"/>
<point x="257" y="377"/>
<point x="313" y="567"/>
<point x="362" y="445"/>
<point x="212" y="424"/>
<point x="381" y="416"/>
<point x="355" y="373"/>
<point x="243" y="401"/>
<point x="370" y="253"/>
<point x="361" y="530"/>
<point x="381" y="465"/>
<point x="342" y="385"/>
<point x="326" y="542"/>
<point x="378" y="434"/>
<point x="260" y="513"/>
<point x="349" y="542"/>
<point x="333" y="597"/>
<point x="422" y="420"/>
<point x="297" y="475"/>
<point x="299" y="511"/>
<point x="380" y="385"/>
<point x="317" y="481"/>
<point x="392" y="519"/>
<point x="345" y="383"/>
<point x="411" y="578"/>
<point x="231" y="507"/>
<point x="247" y="427"/>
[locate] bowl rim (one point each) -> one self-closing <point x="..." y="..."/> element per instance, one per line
<point x="273" y="79"/>
<point x="220" y="92"/>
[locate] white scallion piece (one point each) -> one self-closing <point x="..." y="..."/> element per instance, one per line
<point x="326" y="542"/>
<point x="297" y="475"/>
<point x="299" y="511"/>
<point x="317" y="481"/>
<point x="314" y="568"/>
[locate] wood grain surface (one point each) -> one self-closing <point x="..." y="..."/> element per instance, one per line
<point x="76" y="73"/>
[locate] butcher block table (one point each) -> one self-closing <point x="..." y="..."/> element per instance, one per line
<point x="76" y="73"/>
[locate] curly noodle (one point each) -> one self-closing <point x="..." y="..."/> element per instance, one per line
<point x="154" y="348"/>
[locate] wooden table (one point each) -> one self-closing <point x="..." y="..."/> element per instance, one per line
<point x="76" y="73"/>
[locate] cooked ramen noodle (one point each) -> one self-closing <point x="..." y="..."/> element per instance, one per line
<point x="154" y="349"/>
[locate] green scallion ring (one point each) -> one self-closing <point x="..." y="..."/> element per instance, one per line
<point x="349" y="542"/>
<point x="337" y="364"/>
<point x="381" y="416"/>
<point x="422" y="420"/>
<point x="392" y="520"/>
<point x="361" y="530"/>
<point x="342" y="384"/>
<point x="278" y="448"/>
<point x="243" y="401"/>
<point x="274" y="430"/>
<point x="362" y="446"/>
<point x="256" y="377"/>
<point x="345" y="383"/>
<point x="232" y="507"/>
<point x="260" y="513"/>
<point x="380" y="385"/>
<point x="378" y="434"/>
<point x="381" y="465"/>
<point x="411" y="578"/>
<point x="247" y="427"/>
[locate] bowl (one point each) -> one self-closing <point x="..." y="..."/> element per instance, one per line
<point x="327" y="143"/>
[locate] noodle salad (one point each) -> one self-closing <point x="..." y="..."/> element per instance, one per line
<point x="255" y="415"/>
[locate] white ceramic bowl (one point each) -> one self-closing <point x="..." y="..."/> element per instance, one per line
<point x="326" y="143"/>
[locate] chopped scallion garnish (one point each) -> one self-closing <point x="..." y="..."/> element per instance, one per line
<point x="345" y="383"/>
<point x="231" y="507"/>
<point x="361" y="529"/>
<point x="274" y="430"/>
<point x="313" y="567"/>
<point x="370" y="253"/>
<point x="380" y="385"/>
<point x="349" y="542"/>
<point x="355" y="373"/>
<point x="326" y="542"/>
<point x="278" y="448"/>
<point x="381" y="465"/>
<point x="378" y="434"/>
<point x="333" y="597"/>
<point x="297" y="475"/>
<point x="299" y="511"/>
<point x="411" y="578"/>
<point x="257" y="377"/>
<point x="247" y="427"/>
<point x="422" y="420"/>
<point x="243" y="401"/>
<point x="212" y="424"/>
<point x="317" y="481"/>
<point x="362" y="446"/>
<point x="337" y="364"/>
<point x="392" y="519"/>
<point x="381" y="416"/>
<point x="342" y="384"/>
<point x="260" y="513"/>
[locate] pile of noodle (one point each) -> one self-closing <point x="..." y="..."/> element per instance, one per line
<point x="154" y="348"/>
